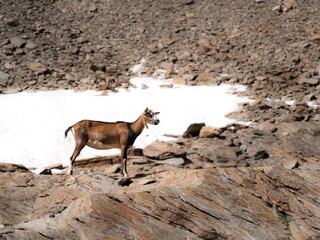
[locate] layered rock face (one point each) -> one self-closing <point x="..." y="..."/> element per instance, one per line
<point x="232" y="203"/>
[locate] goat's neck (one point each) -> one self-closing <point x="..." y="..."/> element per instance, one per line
<point x="138" y="125"/>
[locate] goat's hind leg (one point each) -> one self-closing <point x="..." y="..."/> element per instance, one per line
<point x="75" y="154"/>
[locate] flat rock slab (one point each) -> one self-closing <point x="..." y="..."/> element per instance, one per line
<point x="163" y="150"/>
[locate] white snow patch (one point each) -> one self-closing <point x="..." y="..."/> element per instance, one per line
<point x="138" y="67"/>
<point x="32" y="125"/>
<point x="312" y="104"/>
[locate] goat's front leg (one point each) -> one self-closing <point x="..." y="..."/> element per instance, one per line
<point x="124" y="172"/>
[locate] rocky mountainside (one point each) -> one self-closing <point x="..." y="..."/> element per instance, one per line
<point x="236" y="182"/>
<point x="92" y="44"/>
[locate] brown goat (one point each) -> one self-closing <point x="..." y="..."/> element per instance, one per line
<point x="106" y="135"/>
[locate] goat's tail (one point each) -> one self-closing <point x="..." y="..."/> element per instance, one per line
<point x="66" y="132"/>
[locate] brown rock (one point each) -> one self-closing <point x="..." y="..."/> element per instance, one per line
<point x="206" y="48"/>
<point x="93" y="8"/>
<point x="9" y="66"/>
<point x="38" y="67"/>
<point x="163" y="150"/>
<point x="193" y="130"/>
<point x="289" y="4"/>
<point x="4" y="79"/>
<point x="256" y="102"/>
<point x="13" y="22"/>
<point x="206" y="78"/>
<point x="209" y="132"/>
<point x="8" y="167"/>
<point x="17" y="42"/>
<point x="315" y="37"/>
<point x="310" y="81"/>
<point x="100" y="67"/>
<point x="179" y="80"/>
<point x="188" y="2"/>
<point x="219" y="153"/>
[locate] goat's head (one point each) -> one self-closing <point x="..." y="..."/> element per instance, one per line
<point x="149" y="117"/>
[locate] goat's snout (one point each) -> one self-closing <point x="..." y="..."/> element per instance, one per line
<point x="154" y="120"/>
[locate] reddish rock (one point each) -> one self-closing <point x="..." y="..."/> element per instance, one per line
<point x="163" y="150"/>
<point x="209" y="132"/>
<point x="38" y="67"/>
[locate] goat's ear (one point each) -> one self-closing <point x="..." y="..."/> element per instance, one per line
<point x="156" y="113"/>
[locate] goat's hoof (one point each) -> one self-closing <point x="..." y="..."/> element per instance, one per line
<point x="125" y="181"/>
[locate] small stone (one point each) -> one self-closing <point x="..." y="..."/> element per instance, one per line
<point x="9" y="66"/>
<point x="206" y="78"/>
<point x="32" y="82"/>
<point x="289" y="4"/>
<point x="17" y="42"/>
<point x="30" y="46"/>
<point x="206" y="48"/>
<point x="188" y="2"/>
<point x="12" y="22"/>
<point x="256" y="102"/>
<point x="277" y="8"/>
<point x="98" y="67"/>
<point x="38" y="67"/>
<point x="167" y="85"/>
<point x="93" y="8"/>
<point x="4" y="79"/>
<point x="315" y="37"/>
<point x="310" y="81"/>
<point x="181" y="81"/>
<point x="126" y="181"/>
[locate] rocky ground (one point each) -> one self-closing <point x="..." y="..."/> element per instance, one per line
<point x="237" y="182"/>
